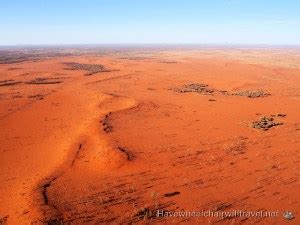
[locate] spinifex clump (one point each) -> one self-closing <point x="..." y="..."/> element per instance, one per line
<point x="90" y="68"/>
<point x="265" y="123"/>
<point x="252" y="93"/>
<point x="196" y="87"/>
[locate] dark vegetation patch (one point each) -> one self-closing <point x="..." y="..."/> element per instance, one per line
<point x="14" y="59"/>
<point x="54" y="221"/>
<point x="16" y="96"/>
<point x="129" y="155"/>
<point x="265" y="123"/>
<point x="172" y="194"/>
<point x="9" y="82"/>
<point x="13" y="68"/>
<point x="90" y="68"/>
<point x="107" y="127"/>
<point x="11" y="56"/>
<point x="151" y="213"/>
<point x="145" y="213"/>
<point x="24" y="74"/>
<point x="3" y="220"/>
<point x="168" y="62"/>
<point x="252" y="93"/>
<point x="44" y="194"/>
<point x="223" y="206"/>
<point x="203" y="89"/>
<point x="40" y="80"/>
<point x="80" y="147"/>
<point x="135" y="58"/>
<point x="37" y="96"/>
<point x="278" y="115"/>
<point x="45" y="189"/>
<point x="196" y="87"/>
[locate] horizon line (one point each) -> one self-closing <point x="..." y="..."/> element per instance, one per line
<point x="149" y="44"/>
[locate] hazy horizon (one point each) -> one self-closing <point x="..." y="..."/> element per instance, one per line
<point x="152" y="45"/>
<point x="133" y="22"/>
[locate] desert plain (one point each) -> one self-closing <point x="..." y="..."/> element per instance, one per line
<point x="94" y="135"/>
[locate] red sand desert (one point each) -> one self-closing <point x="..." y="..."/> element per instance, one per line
<point x="113" y="136"/>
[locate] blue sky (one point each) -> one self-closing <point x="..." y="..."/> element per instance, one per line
<point x="150" y="21"/>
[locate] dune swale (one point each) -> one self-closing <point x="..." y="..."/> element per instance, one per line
<point x="90" y="68"/>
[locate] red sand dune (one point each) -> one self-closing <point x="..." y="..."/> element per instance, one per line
<point x="118" y="145"/>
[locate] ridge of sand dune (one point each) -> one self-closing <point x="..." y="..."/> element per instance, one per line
<point x="93" y="146"/>
<point x="76" y="119"/>
<point x="41" y="154"/>
<point x="36" y="139"/>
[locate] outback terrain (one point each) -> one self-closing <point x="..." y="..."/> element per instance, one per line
<point x="112" y="135"/>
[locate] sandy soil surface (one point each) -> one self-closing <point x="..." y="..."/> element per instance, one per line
<point x="114" y="138"/>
